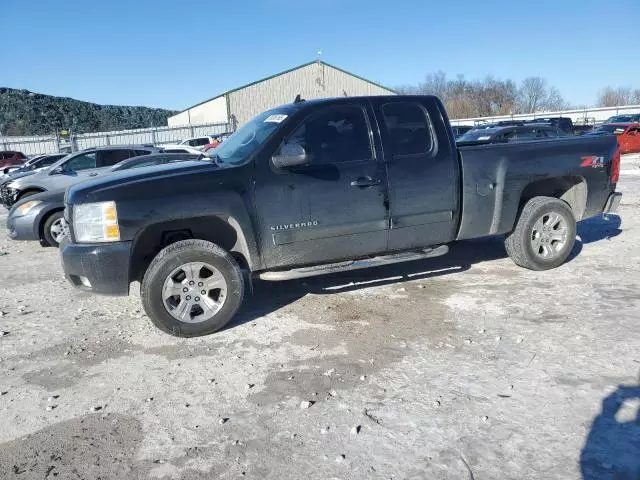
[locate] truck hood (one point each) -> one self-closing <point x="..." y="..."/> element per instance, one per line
<point x="91" y="190"/>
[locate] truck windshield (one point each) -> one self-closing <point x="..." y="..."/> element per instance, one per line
<point x="239" y="146"/>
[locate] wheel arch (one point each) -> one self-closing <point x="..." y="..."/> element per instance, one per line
<point x="29" y="190"/>
<point x="224" y="231"/>
<point x="572" y="189"/>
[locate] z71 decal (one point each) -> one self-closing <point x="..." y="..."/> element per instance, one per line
<point x="592" y="161"/>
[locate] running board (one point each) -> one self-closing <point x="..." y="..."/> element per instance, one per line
<point x="328" y="268"/>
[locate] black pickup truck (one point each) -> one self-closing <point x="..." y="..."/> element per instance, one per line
<point x="322" y="186"/>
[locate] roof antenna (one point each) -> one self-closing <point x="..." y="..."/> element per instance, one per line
<point x="298" y="99"/>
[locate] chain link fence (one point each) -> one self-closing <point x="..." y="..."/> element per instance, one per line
<point x="38" y="145"/>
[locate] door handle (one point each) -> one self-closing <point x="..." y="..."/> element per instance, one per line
<point x="93" y="174"/>
<point x="364" y="182"/>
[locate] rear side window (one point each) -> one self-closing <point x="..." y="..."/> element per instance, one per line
<point x="409" y="128"/>
<point x="108" y="158"/>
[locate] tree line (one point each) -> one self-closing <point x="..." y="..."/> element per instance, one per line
<point x="27" y="113"/>
<point x="490" y="96"/>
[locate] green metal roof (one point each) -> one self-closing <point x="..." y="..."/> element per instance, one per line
<point x="283" y="73"/>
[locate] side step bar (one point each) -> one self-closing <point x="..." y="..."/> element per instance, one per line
<point x="328" y="268"/>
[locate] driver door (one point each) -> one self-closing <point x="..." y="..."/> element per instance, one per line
<point x="332" y="207"/>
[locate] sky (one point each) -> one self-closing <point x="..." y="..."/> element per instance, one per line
<point x="173" y="54"/>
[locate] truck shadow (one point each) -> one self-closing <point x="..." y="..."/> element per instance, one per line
<point x="612" y="449"/>
<point x="270" y="296"/>
<point x="599" y="228"/>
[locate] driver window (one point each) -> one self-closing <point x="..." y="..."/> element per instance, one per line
<point x="83" y="161"/>
<point x="335" y="135"/>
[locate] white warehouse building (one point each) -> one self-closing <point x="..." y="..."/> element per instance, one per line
<point x="315" y="79"/>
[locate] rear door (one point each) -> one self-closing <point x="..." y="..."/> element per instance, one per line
<point x="422" y="172"/>
<point x="333" y="208"/>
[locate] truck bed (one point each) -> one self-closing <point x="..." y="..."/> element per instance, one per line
<point x="495" y="176"/>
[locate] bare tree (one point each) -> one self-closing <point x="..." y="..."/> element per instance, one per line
<point x="612" y="97"/>
<point x="554" y="100"/>
<point x="532" y="94"/>
<point x="490" y="96"/>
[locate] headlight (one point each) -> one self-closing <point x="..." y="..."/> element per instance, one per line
<point x="96" y="222"/>
<point x="26" y="208"/>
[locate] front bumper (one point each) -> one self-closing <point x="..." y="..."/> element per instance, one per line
<point x="24" y="227"/>
<point x="613" y="202"/>
<point x="98" y="268"/>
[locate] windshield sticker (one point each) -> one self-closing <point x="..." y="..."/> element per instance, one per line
<point x="275" y="118"/>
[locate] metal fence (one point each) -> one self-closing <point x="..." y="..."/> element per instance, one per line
<point x="38" y="145"/>
<point x="584" y="115"/>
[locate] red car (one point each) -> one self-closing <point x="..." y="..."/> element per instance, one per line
<point x="8" y="158"/>
<point x="628" y="135"/>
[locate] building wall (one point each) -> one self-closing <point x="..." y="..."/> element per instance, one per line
<point x="213" y="111"/>
<point x="312" y="81"/>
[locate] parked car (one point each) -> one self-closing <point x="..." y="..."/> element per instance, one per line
<point x="197" y="142"/>
<point x="310" y="189"/>
<point x="628" y="135"/>
<point x="31" y="165"/>
<point x="8" y="158"/>
<point x="40" y="216"/>
<point x="628" y="118"/>
<point x="69" y="170"/>
<point x="527" y="132"/>
<point x="29" y="160"/>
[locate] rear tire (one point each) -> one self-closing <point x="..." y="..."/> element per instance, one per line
<point x="173" y="288"/>
<point x="544" y="234"/>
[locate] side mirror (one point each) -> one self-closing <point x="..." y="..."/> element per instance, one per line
<point x="58" y="170"/>
<point x="291" y="155"/>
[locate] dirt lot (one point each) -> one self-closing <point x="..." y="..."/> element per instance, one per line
<point x="464" y="366"/>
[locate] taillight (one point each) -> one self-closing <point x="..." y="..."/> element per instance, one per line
<point x="615" y="166"/>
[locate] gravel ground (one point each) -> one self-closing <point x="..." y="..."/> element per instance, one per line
<point x="464" y="366"/>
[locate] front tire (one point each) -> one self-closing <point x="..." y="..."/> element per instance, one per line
<point x="192" y="288"/>
<point x="544" y="234"/>
<point x="53" y="229"/>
